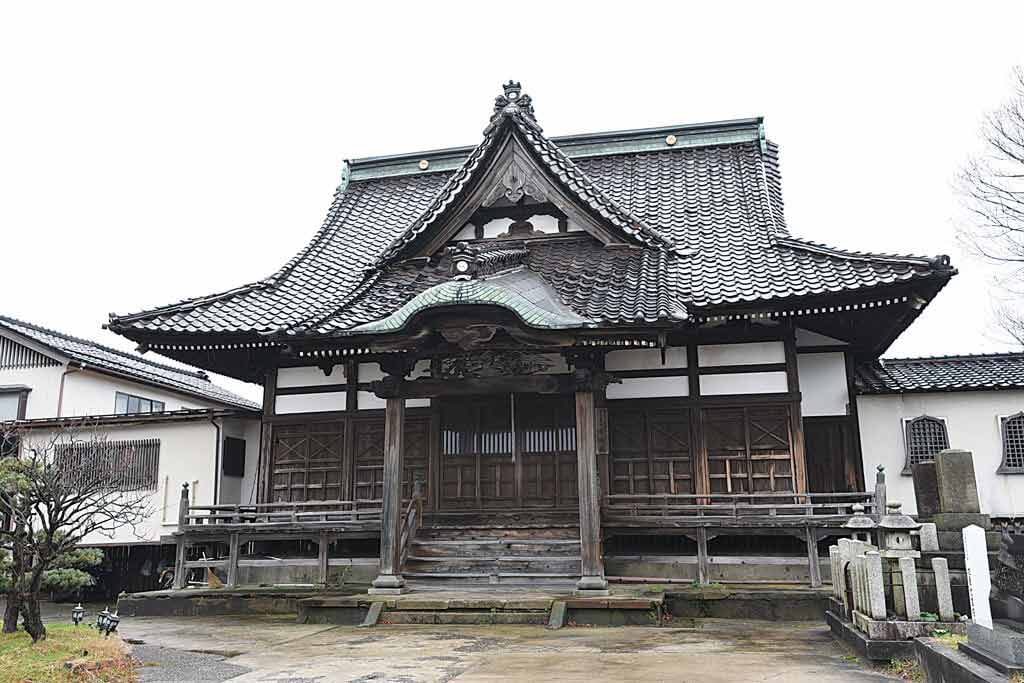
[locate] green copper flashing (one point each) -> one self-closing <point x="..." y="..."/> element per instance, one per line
<point x="481" y="293"/>
<point x="574" y="146"/>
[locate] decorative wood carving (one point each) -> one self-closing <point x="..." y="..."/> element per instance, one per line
<point x="494" y="364"/>
<point x="469" y="337"/>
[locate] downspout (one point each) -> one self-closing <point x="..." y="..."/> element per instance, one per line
<point x="216" y="461"/>
<point x="60" y="392"/>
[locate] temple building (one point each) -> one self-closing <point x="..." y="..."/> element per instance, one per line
<point x="598" y="341"/>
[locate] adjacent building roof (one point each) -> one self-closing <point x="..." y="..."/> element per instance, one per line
<point x="942" y="373"/>
<point x="697" y="211"/>
<point x="88" y="421"/>
<point x="132" y="366"/>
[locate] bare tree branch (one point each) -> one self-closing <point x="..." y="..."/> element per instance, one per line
<point x="991" y="187"/>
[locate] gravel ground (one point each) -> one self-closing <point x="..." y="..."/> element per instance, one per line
<point x="162" y="664"/>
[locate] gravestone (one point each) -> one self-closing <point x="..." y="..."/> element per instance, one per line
<point x="955" y="482"/>
<point x="979" y="580"/>
<point x="926" y="489"/>
<point x="957" y="492"/>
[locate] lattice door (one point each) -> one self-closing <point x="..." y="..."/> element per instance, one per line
<point x="546" y="442"/>
<point x="649" y="447"/>
<point x="368" y="444"/>
<point x="308" y="461"/>
<point x="749" y="449"/>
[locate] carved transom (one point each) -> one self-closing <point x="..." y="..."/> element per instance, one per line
<point x="494" y="364"/>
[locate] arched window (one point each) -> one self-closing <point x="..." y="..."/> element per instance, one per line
<point x="1013" y="444"/>
<point x="925" y="436"/>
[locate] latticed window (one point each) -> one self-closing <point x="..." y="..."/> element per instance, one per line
<point x="136" y="461"/>
<point x="1013" y="444"/>
<point x="926" y="436"/>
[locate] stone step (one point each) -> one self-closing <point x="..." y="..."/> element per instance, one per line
<point x="535" y="617"/>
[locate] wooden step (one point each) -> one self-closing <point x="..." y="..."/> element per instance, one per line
<point x="489" y="533"/>
<point x="494" y="547"/>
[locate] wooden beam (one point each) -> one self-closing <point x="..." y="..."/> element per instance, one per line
<point x="429" y="387"/>
<point x="389" y="580"/>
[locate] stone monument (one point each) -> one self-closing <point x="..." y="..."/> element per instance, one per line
<point x="998" y="643"/>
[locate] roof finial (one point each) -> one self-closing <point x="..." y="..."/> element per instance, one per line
<point x="512" y="101"/>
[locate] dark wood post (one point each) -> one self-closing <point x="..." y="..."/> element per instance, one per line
<point x="389" y="580"/>
<point x="233" y="551"/>
<point x="179" y="555"/>
<point x="592" y="581"/>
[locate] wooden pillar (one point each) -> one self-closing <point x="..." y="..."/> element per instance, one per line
<point x="813" y="562"/>
<point x="179" y="554"/>
<point x="322" y="560"/>
<point x="233" y="551"/>
<point x="592" y="581"/>
<point x="389" y="580"/>
<point x="796" y="419"/>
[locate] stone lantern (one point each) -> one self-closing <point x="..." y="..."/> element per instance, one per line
<point x="895" y="539"/>
<point x="860" y="525"/>
<point x="896" y="546"/>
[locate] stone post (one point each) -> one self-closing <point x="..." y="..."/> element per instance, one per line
<point x="389" y="580"/>
<point x="876" y="585"/>
<point x="880" y="499"/>
<point x="929" y="538"/>
<point x="911" y="601"/>
<point x="837" y="578"/>
<point x="942" y="588"/>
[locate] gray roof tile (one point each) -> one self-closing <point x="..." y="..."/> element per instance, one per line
<point x="102" y="357"/>
<point x="942" y="373"/>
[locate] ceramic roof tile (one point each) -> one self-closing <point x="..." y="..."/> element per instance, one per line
<point x="942" y="373"/>
<point x="142" y="369"/>
<point x="718" y="200"/>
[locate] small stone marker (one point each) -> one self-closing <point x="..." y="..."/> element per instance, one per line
<point x="979" y="580"/>
<point x="912" y="602"/>
<point x="942" y="588"/>
<point x="929" y="537"/>
<point x="876" y="585"/>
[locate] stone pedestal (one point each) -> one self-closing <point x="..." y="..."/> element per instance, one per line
<point x="1001" y="646"/>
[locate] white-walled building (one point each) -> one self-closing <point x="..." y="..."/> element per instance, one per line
<point x="909" y="409"/>
<point x="182" y="428"/>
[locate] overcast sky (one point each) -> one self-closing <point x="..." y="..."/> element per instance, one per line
<point x="152" y="152"/>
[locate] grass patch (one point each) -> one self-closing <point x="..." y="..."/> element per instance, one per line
<point x="24" y="662"/>
<point x="905" y="670"/>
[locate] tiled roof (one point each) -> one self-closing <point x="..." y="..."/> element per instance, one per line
<point x="101" y="357"/>
<point x="704" y="218"/>
<point x="942" y="373"/>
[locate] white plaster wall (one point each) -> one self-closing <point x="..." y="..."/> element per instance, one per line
<point x="187" y="454"/>
<point x="253" y="430"/>
<point x="744" y="383"/>
<point x="45" y="384"/>
<point x="649" y="387"/>
<point x="823" y="387"/>
<point x="309" y="377"/>
<point x="741" y="354"/>
<point x="92" y="393"/>
<point x="808" y="338"/>
<point x="232" y="489"/>
<point x="309" y="403"/>
<point x="972" y="420"/>
<point x="646" y="359"/>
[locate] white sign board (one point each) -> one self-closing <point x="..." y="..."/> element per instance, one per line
<point x="979" y="580"/>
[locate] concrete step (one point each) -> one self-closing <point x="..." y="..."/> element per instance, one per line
<point x="536" y="617"/>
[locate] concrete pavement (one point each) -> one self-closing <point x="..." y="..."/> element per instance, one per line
<point x="278" y="649"/>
